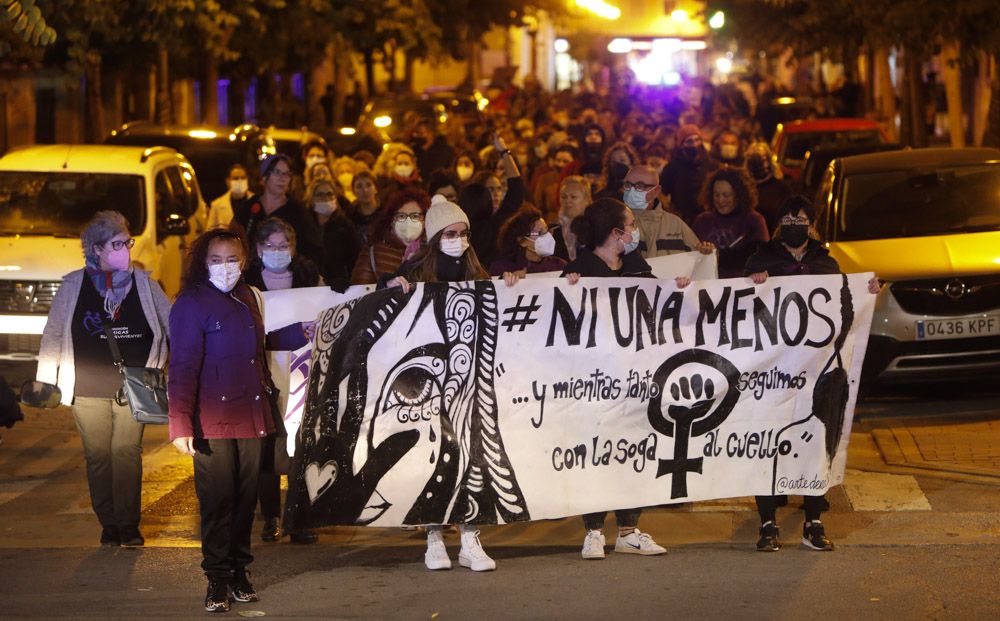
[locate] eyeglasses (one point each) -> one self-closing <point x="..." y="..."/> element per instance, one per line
<point x="791" y="220"/>
<point x="324" y="196"/>
<point x="537" y="234"/>
<point x="413" y="217"/>
<point x="118" y="244"/>
<point x="455" y="235"/>
<point x="282" y="174"/>
<point x="280" y="247"/>
<point x="642" y="187"/>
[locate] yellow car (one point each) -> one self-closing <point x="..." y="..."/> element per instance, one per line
<point x="927" y="222"/>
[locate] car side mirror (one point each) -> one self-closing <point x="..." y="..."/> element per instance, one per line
<point x="174" y="224"/>
<point x="40" y="394"/>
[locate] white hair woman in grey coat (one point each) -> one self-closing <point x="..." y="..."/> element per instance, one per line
<point x="75" y="355"/>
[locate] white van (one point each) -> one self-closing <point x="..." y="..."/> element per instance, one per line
<point x="48" y="193"/>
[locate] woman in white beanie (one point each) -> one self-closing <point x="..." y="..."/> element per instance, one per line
<point x="447" y="257"/>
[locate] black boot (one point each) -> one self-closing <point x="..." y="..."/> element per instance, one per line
<point x="217" y="596"/>
<point x="271" y="531"/>
<point x="110" y="536"/>
<point x="243" y="591"/>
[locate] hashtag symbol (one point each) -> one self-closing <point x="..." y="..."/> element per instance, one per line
<point x="521" y="315"/>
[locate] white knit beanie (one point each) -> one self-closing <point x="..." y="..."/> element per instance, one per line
<point x="442" y="213"/>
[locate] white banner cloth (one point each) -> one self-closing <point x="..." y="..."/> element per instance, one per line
<point x="479" y="403"/>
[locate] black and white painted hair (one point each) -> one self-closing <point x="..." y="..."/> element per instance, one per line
<point x="472" y="480"/>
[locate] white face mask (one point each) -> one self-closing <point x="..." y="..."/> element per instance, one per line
<point x="224" y="276"/>
<point x="403" y="170"/>
<point x="276" y="260"/>
<point x="324" y="208"/>
<point x="408" y="230"/>
<point x="464" y="172"/>
<point x="545" y="245"/>
<point x="632" y="245"/>
<point x="239" y="187"/>
<point x="454" y="247"/>
<point x="635" y="199"/>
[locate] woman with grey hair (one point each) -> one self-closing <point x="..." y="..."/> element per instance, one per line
<point x="75" y="355"/>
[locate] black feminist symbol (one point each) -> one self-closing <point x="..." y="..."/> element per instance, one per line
<point x="684" y="421"/>
<point x="515" y="312"/>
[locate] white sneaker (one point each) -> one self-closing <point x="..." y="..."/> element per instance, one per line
<point x="436" y="556"/>
<point x="638" y="543"/>
<point x="472" y="554"/>
<point x="593" y="545"/>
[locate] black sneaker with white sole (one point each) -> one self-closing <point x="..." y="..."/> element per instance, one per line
<point x="768" y="541"/>
<point x="242" y="590"/>
<point x="217" y="596"/>
<point x="814" y="537"/>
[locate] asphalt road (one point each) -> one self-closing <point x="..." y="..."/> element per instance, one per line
<point x="911" y="544"/>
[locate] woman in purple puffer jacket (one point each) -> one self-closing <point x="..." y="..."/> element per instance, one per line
<point x="219" y="390"/>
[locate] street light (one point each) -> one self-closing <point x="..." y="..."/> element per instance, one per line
<point x="620" y="46"/>
<point x="717" y="21"/>
<point x="561" y="46"/>
<point x="600" y="8"/>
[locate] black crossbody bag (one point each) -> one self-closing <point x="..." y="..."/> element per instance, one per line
<point x="143" y="389"/>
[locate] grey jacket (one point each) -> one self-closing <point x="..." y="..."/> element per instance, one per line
<point x="55" y="357"/>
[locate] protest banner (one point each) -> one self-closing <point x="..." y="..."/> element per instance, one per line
<point x="481" y="403"/>
<point x="290" y="370"/>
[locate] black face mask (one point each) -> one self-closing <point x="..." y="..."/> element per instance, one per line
<point x="758" y="167"/>
<point x="691" y="153"/>
<point x="617" y="171"/>
<point x="794" y="235"/>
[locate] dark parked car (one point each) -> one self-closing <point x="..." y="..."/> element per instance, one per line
<point x="818" y="160"/>
<point x="211" y="150"/>
<point x="390" y="118"/>
<point x="927" y="222"/>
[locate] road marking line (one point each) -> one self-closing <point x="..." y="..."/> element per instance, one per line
<point x="10" y="490"/>
<point x="876" y="491"/>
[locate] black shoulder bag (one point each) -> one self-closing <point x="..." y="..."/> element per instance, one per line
<point x="143" y="389"/>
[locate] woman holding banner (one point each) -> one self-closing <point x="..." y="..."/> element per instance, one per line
<point x="395" y="236"/>
<point x="447" y="257"/>
<point x="526" y="245"/>
<point x="794" y="251"/>
<point x="277" y="266"/>
<point x="608" y="236"/>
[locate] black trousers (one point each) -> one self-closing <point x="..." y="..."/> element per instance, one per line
<point x="625" y="518"/>
<point x="767" y="507"/>
<point x="225" y="479"/>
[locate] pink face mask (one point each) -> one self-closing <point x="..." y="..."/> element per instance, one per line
<point x="118" y="260"/>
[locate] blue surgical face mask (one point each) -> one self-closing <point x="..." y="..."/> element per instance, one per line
<point x="632" y="245"/>
<point x="276" y="260"/>
<point x="635" y="199"/>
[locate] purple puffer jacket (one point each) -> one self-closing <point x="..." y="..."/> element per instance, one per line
<point x="217" y="378"/>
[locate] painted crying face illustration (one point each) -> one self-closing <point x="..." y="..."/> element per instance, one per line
<point x="402" y="421"/>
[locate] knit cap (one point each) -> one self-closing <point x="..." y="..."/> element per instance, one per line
<point x="684" y="131"/>
<point x="442" y="213"/>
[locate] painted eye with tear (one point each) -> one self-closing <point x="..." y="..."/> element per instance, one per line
<point x="413" y="391"/>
